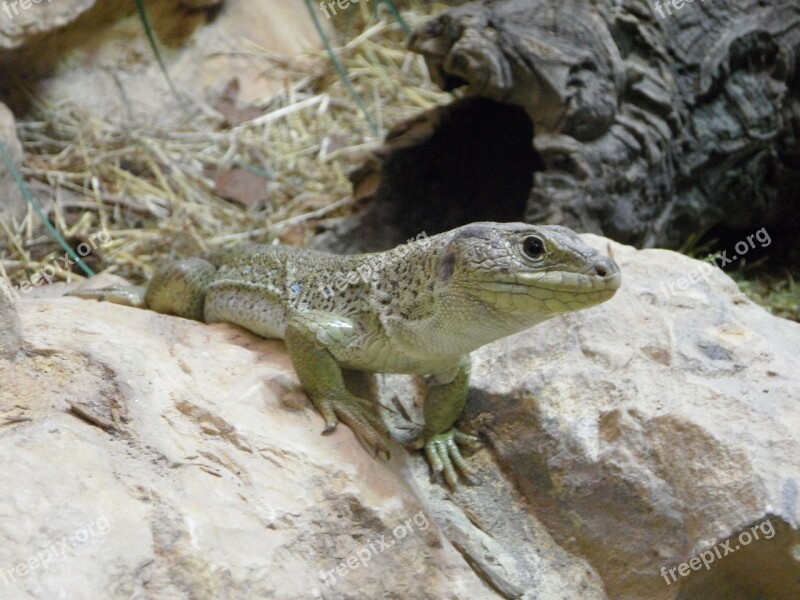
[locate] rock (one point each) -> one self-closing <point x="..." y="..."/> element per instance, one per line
<point x="10" y="328"/>
<point x="647" y="430"/>
<point x="28" y="21"/>
<point x="12" y="206"/>
<point x="67" y="48"/>
<point x="161" y="458"/>
<point x="155" y="457"/>
<point x="647" y="126"/>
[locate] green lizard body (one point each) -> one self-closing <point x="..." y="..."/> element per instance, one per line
<point x="419" y="308"/>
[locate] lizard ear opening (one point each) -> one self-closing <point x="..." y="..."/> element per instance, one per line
<point x="448" y="265"/>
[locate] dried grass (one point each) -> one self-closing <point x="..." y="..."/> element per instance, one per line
<point x="153" y="190"/>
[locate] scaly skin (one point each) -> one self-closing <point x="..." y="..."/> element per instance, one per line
<point x="419" y="308"/>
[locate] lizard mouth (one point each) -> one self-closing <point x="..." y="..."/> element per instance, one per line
<point x="572" y="289"/>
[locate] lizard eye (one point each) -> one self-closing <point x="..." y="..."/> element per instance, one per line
<point x="533" y="247"/>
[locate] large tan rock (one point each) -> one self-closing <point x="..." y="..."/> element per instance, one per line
<point x="146" y="456"/>
<point x="649" y="429"/>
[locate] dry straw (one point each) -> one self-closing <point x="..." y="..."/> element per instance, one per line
<point x="153" y="188"/>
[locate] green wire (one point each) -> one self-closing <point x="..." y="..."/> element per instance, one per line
<point x="151" y="37"/>
<point x="35" y="205"/>
<point x="396" y="14"/>
<point x="339" y="68"/>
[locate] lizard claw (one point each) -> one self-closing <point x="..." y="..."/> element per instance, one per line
<point x="444" y="456"/>
<point x="351" y="411"/>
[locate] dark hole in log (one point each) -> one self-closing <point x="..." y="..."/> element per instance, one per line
<point x="476" y="165"/>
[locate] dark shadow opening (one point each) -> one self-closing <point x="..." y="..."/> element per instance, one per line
<point x="477" y="164"/>
<point x="760" y="562"/>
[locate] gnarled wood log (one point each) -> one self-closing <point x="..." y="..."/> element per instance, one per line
<point x="650" y="121"/>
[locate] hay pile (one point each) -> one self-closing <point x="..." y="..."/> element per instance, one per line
<point x="153" y="189"/>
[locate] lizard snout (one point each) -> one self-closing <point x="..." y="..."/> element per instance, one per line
<point x="603" y="267"/>
<point x="606" y="269"/>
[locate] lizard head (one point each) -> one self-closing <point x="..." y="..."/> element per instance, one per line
<point x="527" y="272"/>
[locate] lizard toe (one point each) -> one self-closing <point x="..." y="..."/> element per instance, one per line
<point x="328" y="413"/>
<point x="366" y="425"/>
<point x="445" y="457"/>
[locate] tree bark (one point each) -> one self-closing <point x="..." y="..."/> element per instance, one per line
<point x="650" y="122"/>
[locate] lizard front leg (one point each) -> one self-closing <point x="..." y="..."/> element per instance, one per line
<point x="444" y="403"/>
<point x="307" y="337"/>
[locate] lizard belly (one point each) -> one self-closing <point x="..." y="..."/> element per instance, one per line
<point x="247" y="308"/>
<point x="377" y="355"/>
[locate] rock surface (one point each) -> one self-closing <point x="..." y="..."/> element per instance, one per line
<point x="22" y="25"/>
<point x="12" y="205"/>
<point x="10" y="327"/>
<point x="146" y="456"/>
<point x="63" y="49"/>
<point x="662" y="423"/>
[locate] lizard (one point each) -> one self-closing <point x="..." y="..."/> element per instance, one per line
<point x="422" y="309"/>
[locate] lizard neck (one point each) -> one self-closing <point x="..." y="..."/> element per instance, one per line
<point x="455" y="323"/>
<point x="474" y="322"/>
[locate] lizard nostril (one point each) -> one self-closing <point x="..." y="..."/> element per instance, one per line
<point x="603" y="267"/>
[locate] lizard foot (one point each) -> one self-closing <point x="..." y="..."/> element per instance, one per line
<point x="443" y="453"/>
<point x="356" y="413"/>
